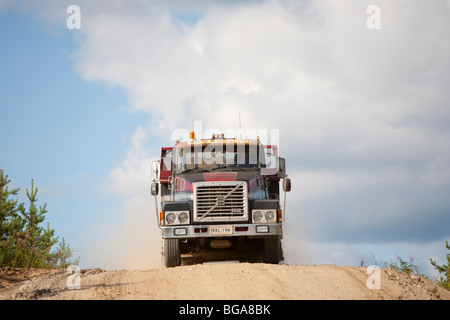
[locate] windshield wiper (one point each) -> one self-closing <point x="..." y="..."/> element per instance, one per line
<point x="193" y="170"/>
<point x="217" y="168"/>
<point x="225" y="169"/>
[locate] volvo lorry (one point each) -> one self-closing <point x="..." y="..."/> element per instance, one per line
<point x="220" y="199"/>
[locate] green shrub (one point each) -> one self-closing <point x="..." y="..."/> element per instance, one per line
<point x="444" y="281"/>
<point x="24" y="243"/>
<point x="405" y="266"/>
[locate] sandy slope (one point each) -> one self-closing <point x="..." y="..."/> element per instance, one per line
<point x="240" y="281"/>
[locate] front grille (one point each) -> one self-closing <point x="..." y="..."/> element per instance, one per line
<point x="220" y="201"/>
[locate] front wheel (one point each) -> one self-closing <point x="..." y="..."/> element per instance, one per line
<point x="171" y="252"/>
<point x="272" y="250"/>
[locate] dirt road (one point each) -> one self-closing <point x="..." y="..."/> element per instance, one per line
<point x="240" y="281"/>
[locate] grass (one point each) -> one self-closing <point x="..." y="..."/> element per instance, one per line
<point x="409" y="267"/>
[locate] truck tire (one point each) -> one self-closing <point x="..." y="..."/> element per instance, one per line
<point x="272" y="250"/>
<point x="171" y="251"/>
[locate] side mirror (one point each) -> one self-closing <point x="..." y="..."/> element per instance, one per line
<point x="281" y="168"/>
<point x="155" y="170"/>
<point x="287" y="184"/>
<point x="155" y="188"/>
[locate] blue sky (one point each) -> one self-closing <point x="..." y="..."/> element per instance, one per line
<point x="50" y="105"/>
<point x="61" y="131"/>
<point x="362" y="116"/>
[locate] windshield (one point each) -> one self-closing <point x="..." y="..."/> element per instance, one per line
<point x="216" y="156"/>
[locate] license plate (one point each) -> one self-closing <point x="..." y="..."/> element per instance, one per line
<point x="221" y="230"/>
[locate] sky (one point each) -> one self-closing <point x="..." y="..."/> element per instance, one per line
<point x="361" y="109"/>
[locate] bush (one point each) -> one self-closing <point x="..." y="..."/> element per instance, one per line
<point x="405" y="266"/>
<point x="24" y="243"/>
<point x="444" y="281"/>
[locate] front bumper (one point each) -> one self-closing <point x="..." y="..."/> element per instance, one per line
<point x="223" y="230"/>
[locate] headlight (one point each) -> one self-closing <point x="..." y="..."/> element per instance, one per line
<point x="270" y="216"/>
<point x="183" y="217"/>
<point x="264" y="216"/>
<point x="177" y="217"/>
<point x="171" y="218"/>
<point x="257" y="216"/>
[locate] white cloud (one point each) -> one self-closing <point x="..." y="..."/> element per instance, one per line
<point x="353" y="102"/>
<point x="131" y="240"/>
<point x="131" y="177"/>
<point x="269" y="63"/>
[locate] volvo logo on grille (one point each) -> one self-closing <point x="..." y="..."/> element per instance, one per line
<point x="221" y="201"/>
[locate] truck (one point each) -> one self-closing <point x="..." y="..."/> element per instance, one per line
<point x="219" y="199"/>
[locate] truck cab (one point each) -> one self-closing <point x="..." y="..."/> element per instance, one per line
<point x="219" y="199"/>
